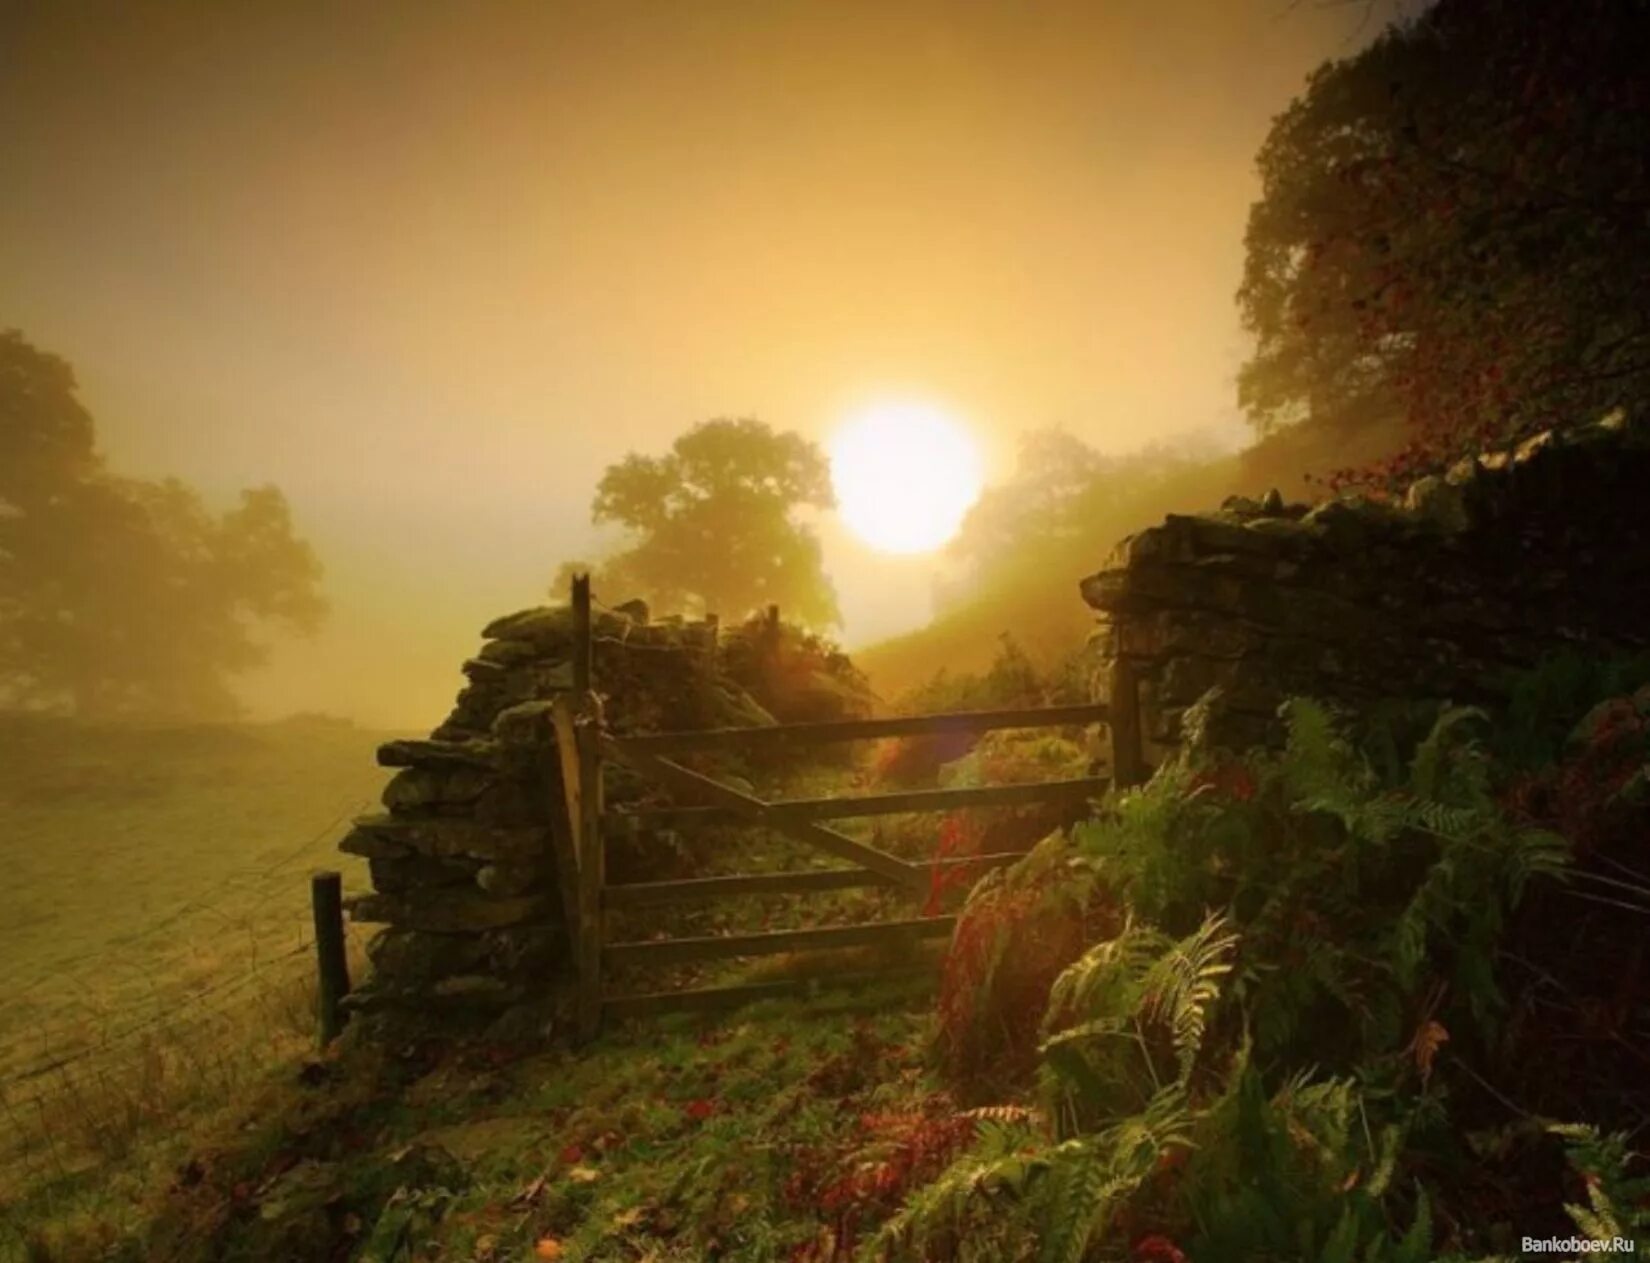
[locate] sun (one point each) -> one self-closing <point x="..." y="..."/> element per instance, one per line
<point x="905" y="474"/>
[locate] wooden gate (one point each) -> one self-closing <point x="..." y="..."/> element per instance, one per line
<point x="585" y="745"/>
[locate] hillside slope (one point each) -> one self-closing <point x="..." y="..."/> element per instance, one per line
<point x="1034" y="598"/>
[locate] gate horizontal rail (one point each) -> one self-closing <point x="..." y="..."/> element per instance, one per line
<point x="850" y="806"/>
<point x="862" y="729"/>
<point x="671" y="951"/>
<point x="652" y="894"/>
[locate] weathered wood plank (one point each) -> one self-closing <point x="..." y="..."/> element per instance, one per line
<point x="677" y="777"/>
<point x="592" y="876"/>
<point x="1128" y="763"/>
<point x="851" y="806"/>
<point x="772" y="942"/>
<point x="649" y="894"/>
<point x="578" y="738"/>
<point x="711" y="999"/>
<point x="694" y="889"/>
<point x="858" y="729"/>
<point x="565" y="843"/>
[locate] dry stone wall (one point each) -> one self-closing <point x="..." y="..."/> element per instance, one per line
<point x="1503" y="560"/>
<point x="462" y="858"/>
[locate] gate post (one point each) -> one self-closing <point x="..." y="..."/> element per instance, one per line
<point x="589" y="848"/>
<point x="592" y="874"/>
<point x="1128" y="763"/>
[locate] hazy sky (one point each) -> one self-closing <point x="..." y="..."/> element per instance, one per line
<point x="431" y="267"/>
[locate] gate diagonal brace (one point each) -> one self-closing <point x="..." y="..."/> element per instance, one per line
<point x="675" y="776"/>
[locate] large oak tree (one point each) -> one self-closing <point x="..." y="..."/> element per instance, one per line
<point x="714" y="524"/>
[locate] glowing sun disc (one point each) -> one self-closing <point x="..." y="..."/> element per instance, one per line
<point x="905" y="475"/>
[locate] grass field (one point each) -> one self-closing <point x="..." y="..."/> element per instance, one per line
<point x="155" y="899"/>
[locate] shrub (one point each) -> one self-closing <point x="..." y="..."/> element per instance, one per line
<point x="1596" y="794"/>
<point x="798" y="676"/>
<point x="1185" y="1109"/>
<point x="1015" y="935"/>
<point x="1356" y="896"/>
<point x="1545" y="703"/>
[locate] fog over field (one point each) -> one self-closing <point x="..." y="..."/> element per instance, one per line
<point x="430" y="273"/>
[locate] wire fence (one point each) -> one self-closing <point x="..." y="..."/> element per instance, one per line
<point x="84" y="1026"/>
<point x="241" y="881"/>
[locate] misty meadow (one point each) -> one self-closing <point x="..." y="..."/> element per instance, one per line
<point x="824" y="632"/>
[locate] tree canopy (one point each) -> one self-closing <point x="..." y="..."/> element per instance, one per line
<point x="1454" y="229"/>
<point x="714" y="523"/>
<point x="121" y="597"/>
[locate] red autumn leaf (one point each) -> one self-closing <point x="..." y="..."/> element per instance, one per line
<point x="1157" y="1249"/>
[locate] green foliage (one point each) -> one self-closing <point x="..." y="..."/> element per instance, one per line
<point x="1618" y="1204"/>
<point x="1017" y="932"/>
<point x="1298" y="1174"/>
<point x="1066" y="1192"/>
<point x="714" y="524"/>
<point x="123" y="597"/>
<point x="1351" y="891"/>
<point x="1294" y="1174"/>
<point x="1450" y="229"/>
<point x="1545" y="703"/>
<point x="1118" y="1014"/>
<point x="1355" y="916"/>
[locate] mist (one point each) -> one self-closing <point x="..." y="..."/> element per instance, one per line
<point x="430" y="272"/>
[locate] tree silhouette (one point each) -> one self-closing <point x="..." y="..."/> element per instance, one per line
<point x="120" y="597"/>
<point x="714" y="523"/>
<point x="1455" y="229"/>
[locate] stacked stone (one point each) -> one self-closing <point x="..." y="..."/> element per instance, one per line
<point x="1500" y="562"/>
<point x="463" y="858"/>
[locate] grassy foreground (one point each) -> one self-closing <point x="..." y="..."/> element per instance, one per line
<point x="683" y="1139"/>
<point x="1362" y="999"/>
<point x="154" y="920"/>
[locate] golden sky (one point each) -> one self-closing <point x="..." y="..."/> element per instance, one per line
<point x="431" y="266"/>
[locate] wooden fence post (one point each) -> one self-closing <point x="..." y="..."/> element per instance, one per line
<point x="327" y="900"/>
<point x="1128" y="762"/>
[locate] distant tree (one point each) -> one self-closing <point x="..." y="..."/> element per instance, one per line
<point x="1054" y="473"/>
<point x="1454" y="229"/>
<point x="1063" y="497"/>
<point x="714" y="524"/>
<point x="120" y="597"/>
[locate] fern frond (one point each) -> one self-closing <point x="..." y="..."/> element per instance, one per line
<point x="1427" y="768"/>
<point x="1001" y="1114"/>
<point x="1184" y="982"/>
<point x="1416" y="1246"/>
